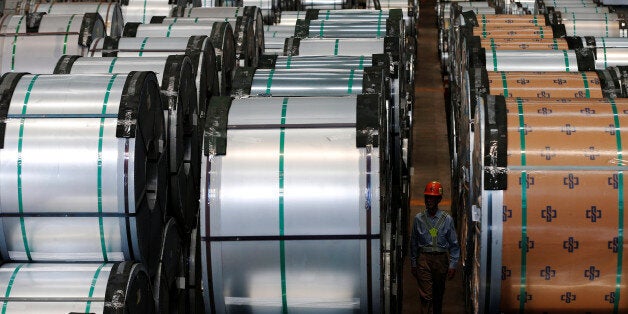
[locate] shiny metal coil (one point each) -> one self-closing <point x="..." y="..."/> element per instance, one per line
<point x="166" y="289"/>
<point x="57" y="35"/>
<point x="75" y="288"/>
<point x="83" y="171"/>
<point x="175" y="75"/>
<point x="531" y="60"/>
<point x="340" y="46"/>
<point x="275" y="37"/>
<point x="342" y="29"/>
<point x="307" y="82"/>
<point x="323" y="62"/>
<point x="111" y="12"/>
<point x="141" y="11"/>
<point x="307" y="207"/>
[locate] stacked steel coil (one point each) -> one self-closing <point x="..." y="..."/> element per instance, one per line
<point x="536" y="141"/>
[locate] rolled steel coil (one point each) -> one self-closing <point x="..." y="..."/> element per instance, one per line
<point x="168" y="297"/>
<point x="600" y="28"/>
<point x="246" y="52"/>
<point x="316" y="62"/>
<point x="175" y="74"/>
<point x="552" y="196"/>
<point x="285" y="230"/>
<point x="291" y="17"/>
<point x="323" y="4"/>
<point x="252" y="13"/>
<point x="111" y="12"/>
<point x="340" y="29"/>
<point x="55" y="36"/>
<point x="525" y="33"/>
<point x="550" y="60"/>
<point x="572" y="9"/>
<point x="542" y="6"/>
<point x="275" y="37"/>
<point x="545" y="85"/>
<point x="271" y="9"/>
<point x="11" y="24"/>
<point x="84" y="170"/>
<point x="597" y="42"/>
<point x="221" y="39"/>
<point x="194" y="274"/>
<point x="525" y="44"/>
<point x="338" y="46"/>
<point x="76" y="288"/>
<point x="141" y="11"/>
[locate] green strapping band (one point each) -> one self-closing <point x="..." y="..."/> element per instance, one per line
<point x="574" y="24"/>
<point x="169" y="29"/>
<point x="20" y="142"/>
<point x="288" y="62"/>
<point x="524" y="209"/>
<point x="67" y="30"/>
<point x="190" y="12"/>
<point x="361" y="65"/>
<point x="274" y="34"/>
<point x="144" y="13"/>
<point x="282" y="246"/>
<point x="17" y="29"/>
<point x="620" y="208"/>
<point x="586" y="84"/>
<point x="504" y="84"/>
<point x="555" y="44"/>
<point x="269" y="81"/>
<point x="236" y="12"/>
<point x="92" y="287"/>
<point x="379" y="24"/>
<point x="494" y="55"/>
<point x="101" y="131"/>
<point x="541" y="32"/>
<point x="336" y="47"/>
<point x="142" y="46"/>
<point x="7" y="293"/>
<point x="483" y="26"/>
<point x="321" y="31"/>
<point x="604" y="47"/>
<point x="195" y="20"/>
<point x="536" y="23"/>
<point x="566" y="60"/>
<point x="327" y="15"/>
<point x="606" y="24"/>
<point x="112" y="64"/>
<point x="350" y="84"/>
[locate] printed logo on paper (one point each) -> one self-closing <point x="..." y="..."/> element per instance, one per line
<point x="571" y="244"/>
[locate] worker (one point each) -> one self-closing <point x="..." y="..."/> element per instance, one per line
<point x="433" y="236"/>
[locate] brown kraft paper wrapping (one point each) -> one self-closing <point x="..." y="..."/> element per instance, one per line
<point x="525" y="43"/>
<point x="509" y="20"/>
<point x="563" y="213"/>
<point x="545" y="84"/>
<point x="507" y="32"/>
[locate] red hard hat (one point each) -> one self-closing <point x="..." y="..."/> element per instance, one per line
<point x="434" y="188"/>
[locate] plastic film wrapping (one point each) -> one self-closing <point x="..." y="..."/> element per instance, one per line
<point x="76" y="288"/>
<point x="545" y="84"/>
<point x="100" y="198"/>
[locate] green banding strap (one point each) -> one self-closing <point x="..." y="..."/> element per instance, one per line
<point x="566" y="60"/>
<point x="269" y="81"/>
<point x="103" y="245"/>
<point x="190" y="12"/>
<point x="274" y="34"/>
<point x="195" y="20"/>
<point x="604" y="47"/>
<point x="142" y="46"/>
<point x="541" y="32"/>
<point x="620" y="208"/>
<point x="67" y="30"/>
<point x="282" y="247"/>
<point x="504" y="84"/>
<point x="336" y="46"/>
<point x="483" y="26"/>
<point x="7" y="293"/>
<point x="555" y="45"/>
<point x="50" y="7"/>
<point x="144" y="13"/>
<point x="112" y="64"/>
<point x="17" y="30"/>
<point x="92" y="287"/>
<point x="524" y="209"/>
<point x="20" y="143"/>
<point x="606" y="23"/>
<point x="361" y="65"/>
<point x="574" y="25"/>
<point x="288" y="61"/>
<point x="379" y="24"/>
<point x="585" y="81"/>
<point x="169" y="29"/>
<point x="536" y="23"/>
<point x="327" y="15"/>
<point x="494" y="55"/>
<point x="236" y="12"/>
<point x="350" y="84"/>
<point x="321" y="30"/>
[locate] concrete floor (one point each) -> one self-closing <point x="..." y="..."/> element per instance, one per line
<point x="430" y="152"/>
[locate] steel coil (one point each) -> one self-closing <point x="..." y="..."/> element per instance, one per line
<point x="141" y="11"/>
<point x="323" y="4"/>
<point x="178" y="92"/>
<point x="166" y="291"/>
<point x="275" y="37"/>
<point x="110" y="12"/>
<point x="308" y="207"/>
<point x="576" y="9"/>
<point x="340" y="29"/>
<point x="316" y="62"/>
<point x="76" y="288"/>
<point x="102" y="196"/>
<point x="56" y="36"/>
<point x="339" y="46"/>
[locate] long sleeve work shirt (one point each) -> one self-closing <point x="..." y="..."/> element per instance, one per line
<point x="446" y="237"/>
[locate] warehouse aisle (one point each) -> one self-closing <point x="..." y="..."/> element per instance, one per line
<point x="430" y="151"/>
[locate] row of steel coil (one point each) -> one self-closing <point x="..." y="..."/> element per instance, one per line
<point x="162" y="157"/>
<point x="536" y="115"/>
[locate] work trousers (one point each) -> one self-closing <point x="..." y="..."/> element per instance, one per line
<point x="432" y="274"/>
